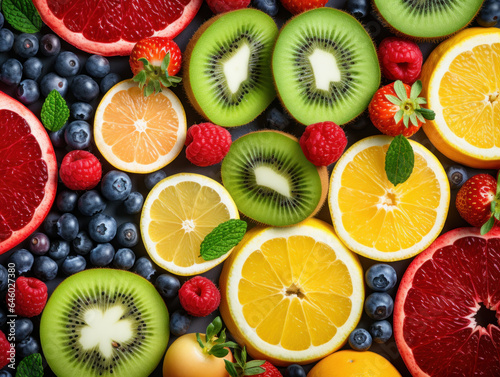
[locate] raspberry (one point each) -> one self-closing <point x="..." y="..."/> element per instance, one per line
<point x="323" y="143"/>
<point x="6" y="353"/>
<point x="271" y="371"/>
<point x="80" y="170"/>
<point x="199" y="296"/>
<point x="207" y="144"/>
<point x="400" y="59"/>
<point x="31" y="296"/>
<point x="221" y="6"/>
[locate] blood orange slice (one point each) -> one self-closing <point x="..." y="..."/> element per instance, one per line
<point x="112" y="27"/>
<point x="447" y="313"/>
<point x="28" y="173"/>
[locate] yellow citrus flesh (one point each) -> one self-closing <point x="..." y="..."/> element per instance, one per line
<point x="461" y="80"/>
<point x="291" y="295"/>
<point x="177" y="215"/>
<point x="379" y="220"/>
<point x="139" y="134"/>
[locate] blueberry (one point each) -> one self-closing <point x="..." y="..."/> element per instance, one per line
<point x="78" y="134"/>
<point x="116" y="185"/>
<point x="3" y="319"/>
<point x="5" y="373"/>
<point x="381" y="277"/>
<point x="23" y="327"/>
<point x="276" y="120"/>
<point x="2" y="20"/>
<point x="358" y="8"/>
<point x="50" y="224"/>
<point x="381" y="331"/>
<point x="81" y="111"/>
<point x="22" y="260"/>
<point x="66" y="201"/>
<point x="127" y="235"/>
<point x="84" y="88"/>
<point x="489" y="14"/>
<point x="144" y="268"/>
<point x="360" y="340"/>
<point x="457" y="175"/>
<point x="6" y="40"/>
<point x="97" y="66"/>
<point x="102" y="228"/>
<point x="32" y="68"/>
<point x="50" y="45"/>
<point x="168" y="285"/>
<point x="91" y="203"/>
<point x="39" y="243"/>
<point x="73" y="264"/>
<point x="295" y="370"/>
<point x="27" y="347"/>
<point x="267" y="6"/>
<point x="57" y="137"/>
<point x="26" y="45"/>
<point x="133" y="203"/>
<point x="4" y="278"/>
<point x="153" y="178"/>
<point x="67" y="227"/>
<point x="82" y="244"/>
<point x="109" y="81"/>
<point x="11" y="72"/>
<point x="379" y="306"/>
<point x="45" y="268"/>
<point x="124" y="259"/>
<point x="179" y="322"/>
<point x="67" y="64"/>
<point x="28" y="92"/>
<point x="59" y="249"/>
<point x="52" y="81"/>
<point x="102" y="255"/>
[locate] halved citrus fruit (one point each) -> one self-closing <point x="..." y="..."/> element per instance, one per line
<point x="110" y="27"/>
<point x="139" y="134"/>
<point x="28" y="173"/>
<point x="461" y="79"/>
<point x="291" y="295"/>
<point x="177" y="215"/>
<point x="447" y="310"/>
<point x="381" y="221"/>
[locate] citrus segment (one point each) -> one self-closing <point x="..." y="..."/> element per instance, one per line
<point x="177" y="215"/>
<point x="136" y="133"/>
<point x="291" y="294"/>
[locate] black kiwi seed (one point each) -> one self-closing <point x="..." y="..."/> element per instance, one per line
<point x="426" y="6"/>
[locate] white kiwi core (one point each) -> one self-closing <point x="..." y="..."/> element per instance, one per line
<point x="265" y="176"/>
<point x="236" y="68"/>
<point x="325" y="68"/>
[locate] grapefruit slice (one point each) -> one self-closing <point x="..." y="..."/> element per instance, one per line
<point x="447" y="311"/>
<point x="28" y="173"/>
<point x="112" y="27"/>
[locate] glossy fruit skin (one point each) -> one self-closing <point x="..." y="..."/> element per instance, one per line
<point x="84" y="88"/>
<point x="68" y="227"/>
<point x="66" y="201"/>
<point x="108" y="81"/>
<point x="81" y="111"/>
<point x="82" y="244"/>
<point x="50" y="45"/>
<point x="4" y="373"/>
<point x="185" y="358"/>
<point x="276" y="119"/>
<point x="73" y="264"/>
<point x="154" y="50"/>
<point x="28" y="92"/>
<point x="23" y="261"/>
<point x="474" y="199"/>
<point x="267" y="6"/>
<point x="381" y="277"/>
<point x="381" y="331"/>
<point x="59" y="249"/>
<point x="11" y="72"/>
<point x="116" y="185"/>
<point x="78" y="135"/>
<point x="67" y="64"/>
<point x="39" y="243"/>
<point x="53" y="81"/>
<point x="27" y="347"/>
<point x="32" y="68"/>
<point x="97" y="66"/>
<point x="102" y="255"/>
<point x="379" y="305"/>
<point x="489" y="13"/>
<point x="400" y="59"/>
<point x="2" y="20"/>
<point x="168" y="285"/>
<point x="4" y="278"/>
<point x="102" y="228"/>
<point x="144" y="267"/>
<point x="26" y="45"/>
<point x="124" y="259"/>
<point x="23" y="328"/>
<point x="127" y="235"/>
<point x="299" y="6"/>
<point x="179" y="322"/>
<point x="358" y="8"/>
<point x="133" y="203"/>
<point x="6" y="40"/>
<point x="360" y="340"/>
<point x="152" y="179"/>
<point x="45" y="268"/>
<point x="91" y="203"/>
<point x="457" y="175"/>
<point x="294" y="370"/>
<point x="57" y="137"/>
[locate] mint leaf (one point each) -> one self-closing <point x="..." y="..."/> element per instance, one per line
<point x="22" y="15"/>
<point x="222" y="239"/>
<point x="30" y="366"/>
<point x="399" y="160"/>
<point x="55" y="111"/>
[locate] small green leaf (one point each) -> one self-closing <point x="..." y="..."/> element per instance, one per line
<point x="255" y="363"/>
<point x="229" y="344"/>
<point x="144" y="61"/>
<point x="420" y="117"/>
<point x="421" y="100"/>
<point x="406" y="120"/>
<point x="164" y="81"/>
<point x="231" y="368"/>
<point x="244" y="355"/>
<point x="426" y="113"/>
<point x="140" y="78"/>
<point x="218" y="351"/>
<point x="398" y="116"/>
<point x="237" y="356"/>
<point x="200" y="342"/>
<point x="222" y="239"/>
<point x="488" y="225"/>
<point x="399" y="160"/>
<point x="413" y="119"/>
<point x="254" y="371"/>
<point x="416" y="89"/>
<point x="214" y="327"/>
<point x="30" y="366"/>
<point x="157" y="86"/>
<point x="165" y="62"/>
<point x="393" y="99"/>
<point x="150" y="89"/>
<point x="55" y="111"/>
<point x="400" y="90"/>
<point x="22" y="15"/>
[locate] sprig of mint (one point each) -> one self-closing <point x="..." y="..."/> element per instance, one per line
<point x="55" y="111"/>
<point x="30" y="366"/>
<point x="241" y="367"/>
<point x="399" y="160"/>
<point x="222" y="239"/>
<point x="215" y="340"/>
<point x="495" y="211"/>
<point x="22" y="15"/>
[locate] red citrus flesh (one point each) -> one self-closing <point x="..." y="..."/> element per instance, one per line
<point x="28" y="173"/>
<point x="112" y="27"/>
<point x="439" y="296"/>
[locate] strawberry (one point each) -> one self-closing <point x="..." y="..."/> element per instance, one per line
<point x="155" y="61"/>
<point x="299" y="6"/>
<point x="478" y="202"/>
<point x="395" y="106"/>
<point x="242" y="367"/>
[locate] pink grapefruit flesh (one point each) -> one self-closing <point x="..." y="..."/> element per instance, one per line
<point x="28" y="173"/>
<point x="435" y="318"/>
<point x="113" y="27"/>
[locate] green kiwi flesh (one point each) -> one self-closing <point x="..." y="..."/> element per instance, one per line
<point x="270" y="179"/>
<point x="104" y="322"/>
<point x="325" y="67"/>
<point x="227" y="76"/>
<point x="428" y="19"/>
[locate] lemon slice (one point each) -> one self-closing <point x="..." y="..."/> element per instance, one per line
<point x="291" y="295"/>
<point x="177" y="215"/>
<point x="381" y="221"/>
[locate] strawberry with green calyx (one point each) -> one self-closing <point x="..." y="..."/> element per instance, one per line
<point x="215" y="344"/>
<point x="242" y="367"/>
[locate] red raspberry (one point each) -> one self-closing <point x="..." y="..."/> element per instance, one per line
<point x="323" y="143"/>
<point x="207" y="144"/>
<point x="400" y="59"/>
<point x="199" y="296"/>
<point x="221" y="6"/>
<point x="6" y="353"/>
<point x="31" y="296"/>
<point x="80" y="170"/>
<point x="271" y="371"/>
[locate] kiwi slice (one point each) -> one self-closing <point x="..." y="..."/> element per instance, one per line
<point x="227" y="74"/>
<point x="104" y="322"/>
<point x="325" y="67"/>
<point x="427" y="19"/>
<point x="270" y="179"/>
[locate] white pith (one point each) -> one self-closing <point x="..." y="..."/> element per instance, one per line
<point x="267" y="177"/>
<point x="325" y="69"/>
<point x="236" y="68"/>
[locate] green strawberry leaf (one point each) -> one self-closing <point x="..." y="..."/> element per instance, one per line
<point x="488" y="225"/>
<point x="413" y="119"/>
<point x="426" y="113"/>
<point x="406" y="120"/>
<point x="393" y="99"/>
<point x="222" y="239"/>
<point x="165" y="62"/>
<point x="421" y="100"/>
<point x="255" y="363"/>
<point x="399" y="160"/>
<point x="400" y="90"/>
<point x="231" y="369"/>
<point x="55" y="111"/>
<point x="253" y="371"/>
<point x="200" y="342"/>
<point x="22" y="15"/>
<point x="416" y="89"/>
<point x="219" y="351"/>
<point x="398" y="116"/>
<point x="30" y="366"/>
